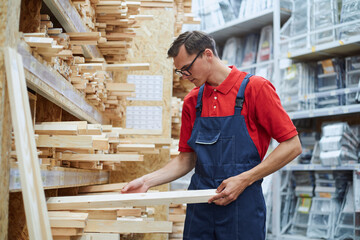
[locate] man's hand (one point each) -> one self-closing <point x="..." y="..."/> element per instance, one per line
<point x="229" y="190"/>
<point x="136" y="186"/>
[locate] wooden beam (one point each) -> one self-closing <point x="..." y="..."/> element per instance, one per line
<point x="81" y="125"/>
<point x="111" y="226"/>
<point x="102" y="188"/>
<point x="127" y="67"/>
<point x="9" y="36"/>
<point x="53" y="129"/>
<point x="66" y="231"/>
<point x="102" y="157"/>
<point x="99" y="236"/>
<point x="135" y="147"/>
<point x="32" y="189"/>
<point x="128" y="200"/>
<point x="120" y="87"/>
<point x="126" y="212"/>
<point x="159" y="141"/>
<point x="64" y="141"/>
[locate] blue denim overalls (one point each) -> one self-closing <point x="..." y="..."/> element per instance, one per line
<point x="224" y="149"/>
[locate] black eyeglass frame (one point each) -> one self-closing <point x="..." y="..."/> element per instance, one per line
<point x="186" y="71"/>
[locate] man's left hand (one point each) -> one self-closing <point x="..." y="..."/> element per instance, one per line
<point x="229" y="190"/>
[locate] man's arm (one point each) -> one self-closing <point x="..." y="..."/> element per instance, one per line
<point x="231" y="188"/>
<point x="176" y="168"/>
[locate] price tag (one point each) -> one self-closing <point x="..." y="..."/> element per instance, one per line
<point x="341" y="42"/>
<point x="347" y="90"/>
<point x="313" y="49"/>
<point x="289" y="54"/>
<point x="332" y="93"/>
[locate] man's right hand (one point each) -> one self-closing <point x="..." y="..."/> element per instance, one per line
<point x="136" y="186"/>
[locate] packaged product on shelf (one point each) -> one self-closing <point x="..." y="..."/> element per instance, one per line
<point x="322" y="217"/>
<point x="352" y="80"/>
<point x="235" y="4"/>
<point x="350" y="13"/>
<point x="345" y="224"/>
<point x="210" y="14"/>
<point x="250" y="50"/>
<point x="232" y="52"/>
<point x="337" y="142"/>
<point x="299" y="223"/>
<point x="324" y="13"/>
<point x="265" y="44"/>
<point x="299" y="24"/>
<point x="227" y="10"/>
<point x="335" y="158"/>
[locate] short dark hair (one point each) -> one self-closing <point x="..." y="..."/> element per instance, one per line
<point x="194" y="42"/>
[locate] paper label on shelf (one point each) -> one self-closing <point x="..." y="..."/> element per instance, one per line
<point x="325" y="195"/>
<point x="341" y="42"/>
<point x="147" y="87"/>
<point x="313" y="49"/>
<point x="144" y="117"/>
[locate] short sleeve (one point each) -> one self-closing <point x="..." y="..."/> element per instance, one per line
<point x="186" y="126"/>
<point x="271" y="115"/>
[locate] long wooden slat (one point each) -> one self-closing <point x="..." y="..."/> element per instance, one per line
<point x="102" y="188"/>
<point x="113" y="226"/>
<point x="56" y="129"/>
<point x="102" y="157"/>
<point x="65" y="141"/>
<point x="120" y="87"/>
<point x="127" y="67"/>
<point x="99" y="236"/>
<point x="160" y="141"/>
<point x="32" y="189"/>
<point x="127" y="200"/>
<point x="129" y="131"/>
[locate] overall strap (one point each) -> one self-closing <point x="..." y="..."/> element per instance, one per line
<point x="199" y="101"/>
<point x="241" y="95"/>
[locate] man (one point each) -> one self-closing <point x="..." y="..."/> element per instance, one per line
<point x="227" y="123"/>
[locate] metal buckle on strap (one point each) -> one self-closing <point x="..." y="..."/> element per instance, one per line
<point x="239" y="102"/>
<point x="198" y="109"/>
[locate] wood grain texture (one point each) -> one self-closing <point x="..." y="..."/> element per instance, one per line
<point x="9" y="22"/>
<point x="30" y="16"/>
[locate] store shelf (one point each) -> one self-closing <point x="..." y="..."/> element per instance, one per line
<point x="322" y="112"/>
<point x="296" y="99"/>
<point x="343" y="47"/>
<point x="59" y="177"/>
<point x="295" y="237"/>
<point x="71" y="21"/>
<point x="261" y="64"/>
<point x="244" y="26"/>
<point x="50" y="84"/>
<point x="313" y="167"/>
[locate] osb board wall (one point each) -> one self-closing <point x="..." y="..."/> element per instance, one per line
<point x="9" y="22"/>
<point x="150" y="46"/>
<point x="17" y="221"/>
<point x="30" y="16"/>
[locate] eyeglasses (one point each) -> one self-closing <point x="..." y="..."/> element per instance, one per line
<point x="186" y="71"/>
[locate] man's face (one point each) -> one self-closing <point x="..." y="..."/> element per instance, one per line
<point x="191" y="66"/>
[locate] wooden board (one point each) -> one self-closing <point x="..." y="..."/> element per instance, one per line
<point x="53" y="129"/>
<point x="65" y="141"/>
<point x="111" y="226"/>
<point x="127" y="67"/>
<point x="127" y="200"/>
<point x="101" y="157"/>
<point x="102" y="188"/>
<point x="33" y="192"/>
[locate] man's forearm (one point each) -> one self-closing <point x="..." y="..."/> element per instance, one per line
<point x="175" y="169"/>
<point x="282" y="155"/>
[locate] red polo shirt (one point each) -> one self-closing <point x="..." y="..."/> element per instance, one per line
<point x="265" y="118"/>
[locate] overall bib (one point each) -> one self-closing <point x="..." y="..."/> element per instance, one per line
<point x="224" y="149"/>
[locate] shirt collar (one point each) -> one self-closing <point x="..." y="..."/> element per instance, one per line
<point x="226" y="85"/>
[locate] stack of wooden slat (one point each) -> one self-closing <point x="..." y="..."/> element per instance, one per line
<point x="65" y="224"/>
<point x="86" y="11"/>
<point x="183" y="15"/>
<point x="91" y="146"/>
<point x="177" y="214"/>
<point x="176" y="108"/>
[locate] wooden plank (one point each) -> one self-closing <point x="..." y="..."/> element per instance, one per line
<point x="177" y="218"/>
<point x="157" y="4"/>
<point x="160" y="141"/>
<point x="81" y="125"/>
<point x="127" y="67"/>
<point x="135" y="147"/>
<point x="102" y="157"/>
<point x="111" y="226"/>
<point x="126" y="212"/>
<point x="120" y="87"/>
<point x="71" y="21"/>
<point x="65" y="141"/>
<point x="39" y="41"/>
<point x="54" y="87"/>
<point x="102" y="188"/>
<point x="66" y="231"/>
<point x="32" y="189"/>
<point x="66" y="223"/>
<point x="56" y="129"/>
<point x="128" y="200"/>
<point x="102" y="214"/>
<point x="99" y="236"/>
